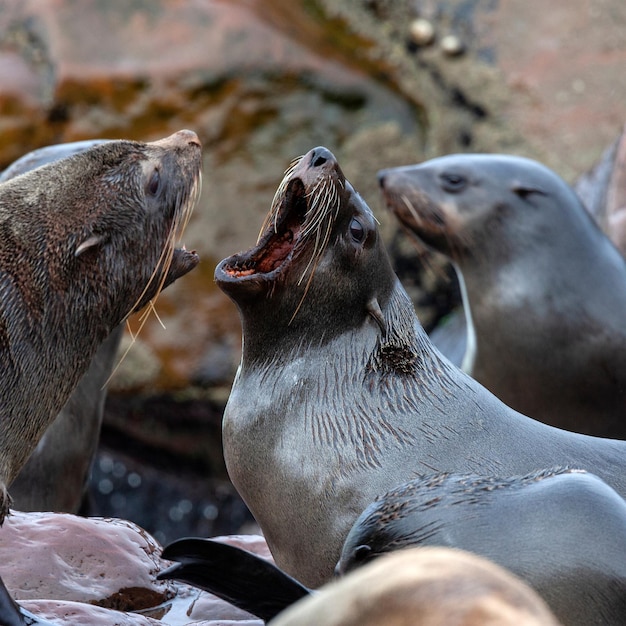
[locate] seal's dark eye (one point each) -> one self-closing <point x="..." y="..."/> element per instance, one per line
<point x="452" y="182"/>
<point x="361" y="553"/>
<point x="154" y="183"/>
<point x="356" y="230"/>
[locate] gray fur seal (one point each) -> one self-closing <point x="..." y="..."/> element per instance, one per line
<point x="340" y="395"/>
<point x="544" y="290"/>
<point x="561" y="531"/>
<point x="85" y="241"/>
<point x="423" y="587"/>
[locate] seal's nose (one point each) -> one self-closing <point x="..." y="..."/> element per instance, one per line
<point x="188" y="136"/>
<point x="381" y="178"/>
<point x="321" y="155"/>
<point x="180" y="139"/>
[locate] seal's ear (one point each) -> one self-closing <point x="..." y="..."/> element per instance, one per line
<point x="524" y="190"/>
<point x="373" y="309"/>
<point x="91" y="242"/>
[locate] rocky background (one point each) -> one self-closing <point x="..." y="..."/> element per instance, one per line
<point x="379" y="82"/>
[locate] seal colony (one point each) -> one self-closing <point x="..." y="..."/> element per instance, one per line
<point x="544" y="290"/>
<point x="340" y="396"/>
<point x="85" y="241"/>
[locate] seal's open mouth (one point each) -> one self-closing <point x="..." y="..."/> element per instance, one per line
<point x="277" y="240"/>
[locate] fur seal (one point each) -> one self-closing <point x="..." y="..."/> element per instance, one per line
<point x="85" y="241"/>
<point x="423" y="587"/>
<point x="544" y="290"/>
<point x="55" y="475"/>
<point x="561" y="531"/>
<point x="340" y="395"/>
<point x="256" y="585"/>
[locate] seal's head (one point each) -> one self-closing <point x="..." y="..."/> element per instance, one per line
<point x="103" y="223"/>
<point x="302" y="278"/>
<point x="430" y="510"/>
<point x="458" y="202"/>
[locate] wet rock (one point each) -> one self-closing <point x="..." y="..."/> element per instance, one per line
<point x="110" y="563"/>
<point x="77" y="571"/>
<point x="80" y="614"/>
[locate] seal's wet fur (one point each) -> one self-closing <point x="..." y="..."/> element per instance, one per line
<point x="84" y="242"/>
<point x="340" y="396"/>
<point x="562" y="531"/>
<point x="544" y="290"/>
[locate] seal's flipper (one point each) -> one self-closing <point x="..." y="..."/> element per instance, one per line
<point x="244" y="579"/>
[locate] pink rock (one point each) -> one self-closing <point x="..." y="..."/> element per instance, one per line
<point x="111" y="563"/>
<point x="80" y="614"/>
<point x="74" y="570"/>
<point x="251" y="543"/>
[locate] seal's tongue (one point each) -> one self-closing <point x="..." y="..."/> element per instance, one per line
<point x="277" y="239"/>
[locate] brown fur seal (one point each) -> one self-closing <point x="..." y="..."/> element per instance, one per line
<point x="423" y="587"/>
<point x="544" y="290"/>
<point x="340" y="395"/>
<point x="85" y="241"/>
<point x="561" y="531"/>
<point x="55" y="475"/>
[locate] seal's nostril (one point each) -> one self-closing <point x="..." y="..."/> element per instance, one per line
<point x="189" y="136"/>
<point x="320" y="156"/>
<point x="381" y="179"/>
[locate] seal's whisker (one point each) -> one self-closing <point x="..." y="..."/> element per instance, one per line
<point x="272" y="216"/>
<point x="184" y="204"/>
<point x="409" y="205"/>
<point x="133" y="338"/>
<point x="306" y="290"/>
<point x="325" y="200"/>
<point x="182" y="213"/>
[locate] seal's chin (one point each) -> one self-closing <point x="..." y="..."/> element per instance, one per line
<point x="183" y="261"/>
<point x="276" y="243"/>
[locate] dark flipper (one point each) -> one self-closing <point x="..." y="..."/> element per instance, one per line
<point x="244" y="579"/>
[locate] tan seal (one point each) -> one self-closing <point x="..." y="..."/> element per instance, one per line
<point x="423" y="587"/>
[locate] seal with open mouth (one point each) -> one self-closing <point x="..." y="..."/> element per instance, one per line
<point x="340" y="396"/>
<point x="84" y="242"/>
<point x="544" y="290"/>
